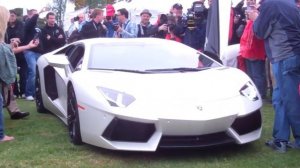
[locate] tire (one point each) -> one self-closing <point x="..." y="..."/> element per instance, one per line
<point x="38" y="94"/>
<point x="73" y="117"/>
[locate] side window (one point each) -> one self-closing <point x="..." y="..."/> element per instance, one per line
<point x="67" y="51"/>
<point x="76" y="57"/>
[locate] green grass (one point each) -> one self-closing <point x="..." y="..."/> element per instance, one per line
<point x="42" y="141"/>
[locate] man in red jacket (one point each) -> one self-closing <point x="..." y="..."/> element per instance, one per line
<point x="253" y="51"/>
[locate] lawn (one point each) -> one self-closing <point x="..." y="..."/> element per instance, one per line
<point x="42" y="141"/>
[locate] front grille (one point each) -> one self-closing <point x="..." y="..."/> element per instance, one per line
<point x="247" y="124"/>
<point x="128" y="131"/>
<point x="195" y="141"/>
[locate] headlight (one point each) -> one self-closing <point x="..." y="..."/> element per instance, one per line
<point x="249" y="91"/>
<point x="116" y="98"/>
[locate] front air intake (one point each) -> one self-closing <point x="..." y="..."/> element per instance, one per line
<point x="248" y="123"/>
<point x="128" y="131"/>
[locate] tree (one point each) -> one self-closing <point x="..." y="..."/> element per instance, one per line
<point x="80" y="3"/>
<point x="92" y="3"/>
<point x="59" y="7"/>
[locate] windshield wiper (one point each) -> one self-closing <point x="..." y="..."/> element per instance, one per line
<point x="122" y="70"/>
<point x="181" y="69"/>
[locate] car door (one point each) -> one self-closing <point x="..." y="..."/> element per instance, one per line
<point x="61" y="75"/>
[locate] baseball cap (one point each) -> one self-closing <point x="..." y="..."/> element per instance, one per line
<point x="110" y="10"/>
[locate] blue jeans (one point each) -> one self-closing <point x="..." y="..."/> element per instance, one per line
<point x="286" y="99"/>
<point x="31" y="58"/>
<point x="1" y="118"/>
<point x="256" y="70"/>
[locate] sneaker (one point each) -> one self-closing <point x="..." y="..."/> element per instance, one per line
<point x="23" y="96"/>
<point x="279" y="147"/>
<point x="29" y="98"/>
<point x="292" y="145"/>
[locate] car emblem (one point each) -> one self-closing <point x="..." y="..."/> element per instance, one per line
<point x="200" y="108"/>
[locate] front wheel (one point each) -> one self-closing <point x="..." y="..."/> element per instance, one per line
<point x="73" y="117"/>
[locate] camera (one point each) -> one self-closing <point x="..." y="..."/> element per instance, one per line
<point x="195" y="15"/>
<point x="198" y="9"/>
<point x="171" y="27"/>
<point x="190" y="21"/>
<point x="116" y="26"/>
<point x="163" y="19"/>
<point x="169" y="20"/>
<point x="76" y="18"/>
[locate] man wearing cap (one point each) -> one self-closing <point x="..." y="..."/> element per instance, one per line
<point x="110" y="20"/>
<point x="145" y="28"/>
<point x="179" y="29"/>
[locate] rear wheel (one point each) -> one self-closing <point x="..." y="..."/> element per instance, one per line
<point x="73" y="118"/>
<point x="38" y="94"/>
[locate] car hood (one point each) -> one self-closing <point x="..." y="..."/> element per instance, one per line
<point x="207" y="85"/>
<point x="215" y="92"/>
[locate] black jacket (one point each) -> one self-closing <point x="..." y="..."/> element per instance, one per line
<point x="30" y="32"/>
<point x="53" y="42"/>
<point x="92" y="30"/>
<point x="15" y="32"/>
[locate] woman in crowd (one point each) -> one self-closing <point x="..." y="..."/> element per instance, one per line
<point x="8" y="67"/>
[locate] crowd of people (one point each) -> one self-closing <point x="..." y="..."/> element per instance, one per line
<point x="268" y="32"/>
<point x="189" y="29"/>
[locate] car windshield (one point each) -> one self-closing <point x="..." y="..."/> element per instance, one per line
<point x="152" y="57"/>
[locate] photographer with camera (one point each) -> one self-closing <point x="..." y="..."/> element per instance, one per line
<point x="172" y="30"/>
<point x="75" y="28"/>
<point x="161" y="28"/>
<point x="171" y="26"/>
<point x="196" y="26"/>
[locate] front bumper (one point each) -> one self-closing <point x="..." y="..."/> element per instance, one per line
<point x="139" y="136"/>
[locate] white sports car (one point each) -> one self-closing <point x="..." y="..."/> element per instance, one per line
<point x="142" y="94"/>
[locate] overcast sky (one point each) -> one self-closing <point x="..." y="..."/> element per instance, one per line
<point x="28" y="4"/>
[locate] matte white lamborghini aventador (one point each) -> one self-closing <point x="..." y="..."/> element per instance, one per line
<point x="142" y="94"/>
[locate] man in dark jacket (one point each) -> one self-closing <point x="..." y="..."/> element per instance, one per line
<point x="53" y="36"/>
<point x="15" y="32"/>
<point x="145" y="28"/>
<point x="31" y="55"/>
<point x="278" y="23"/>
<point x="93" y="28"/>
